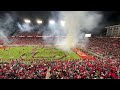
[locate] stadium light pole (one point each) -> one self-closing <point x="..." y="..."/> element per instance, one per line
<point x="39" y="21"/>
<point x="27" y="21"/>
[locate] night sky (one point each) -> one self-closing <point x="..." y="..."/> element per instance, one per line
<point x="112" y="17"/>
<point x="109" y="17"/>
<point x="34" y="14"/>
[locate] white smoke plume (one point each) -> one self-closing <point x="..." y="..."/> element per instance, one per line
<point x="6" y="27"/>
<point x="76" y="22"/>
<point x="25" y="27"/>
<point x="3" y="38"/>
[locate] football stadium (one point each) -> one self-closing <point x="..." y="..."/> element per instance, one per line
<point x="58" y="45"/>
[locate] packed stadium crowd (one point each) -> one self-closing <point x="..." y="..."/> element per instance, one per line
<point x="105" y="67"/>
<point x="105" y="47"/>
<point x="18" y="33"/>
<point x="1" y="41"/>
<point x="77" y="69"/>
<point x="28" y="41"/>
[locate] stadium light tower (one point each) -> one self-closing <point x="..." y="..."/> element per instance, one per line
<point x="27" y="21"/>
<point x="62" y="23"/>
<point x="52" y="22"/>
<point x="39" y="21"/>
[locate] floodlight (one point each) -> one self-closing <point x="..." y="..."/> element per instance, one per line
<point x="39" y="21"/>
<point x="52" y="22"/>
<point x="62" y="23"/>
<point x="27" y="21"/>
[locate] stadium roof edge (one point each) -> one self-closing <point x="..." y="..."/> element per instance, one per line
<point x="112" y="26"/>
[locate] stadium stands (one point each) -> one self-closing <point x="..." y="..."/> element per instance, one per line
<point x="1" y="42"/>
<point x="27" y="41"/>
<point x="105" y="67"/>
<point x="105" y="47"/>
<point x="98" y="69"/>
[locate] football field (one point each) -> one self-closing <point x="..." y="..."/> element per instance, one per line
<point x="35" y="52"/>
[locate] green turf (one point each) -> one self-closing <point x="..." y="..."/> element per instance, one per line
<point x="32" y="52"/>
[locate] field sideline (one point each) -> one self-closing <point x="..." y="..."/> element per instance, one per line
<point x="35" y="52"/>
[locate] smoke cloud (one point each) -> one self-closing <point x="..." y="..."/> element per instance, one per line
<point x="25" y="27"/>
<point x="3" y="37"/>
<point x="6" y="27"/>
<point x="70" y="24"/>
<point x="76" y="22"/>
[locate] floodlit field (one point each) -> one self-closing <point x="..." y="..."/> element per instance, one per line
<point x="35" y="52"/>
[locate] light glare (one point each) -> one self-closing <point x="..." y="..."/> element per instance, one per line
<point x="62" y="23"/>
<point x="52" y="22"/>
<point x="27" y="21"/>
<point x="39" y="21"/>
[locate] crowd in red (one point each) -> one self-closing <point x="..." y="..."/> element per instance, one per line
<point x="28" y="38"/>
<point x="27" y="34"/>
<point x="107" y="67"/>
<point x="28" y="41"/>
<point x="77" y="69"/>
<point x="105" y="47"/>
<point x="1" y="41"/>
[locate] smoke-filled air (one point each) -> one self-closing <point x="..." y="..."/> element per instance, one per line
<point x="69" y="26"/>
<point x="72" y="25"/>
<point x="6" y="27"/>
<point x="25" y="27"/>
